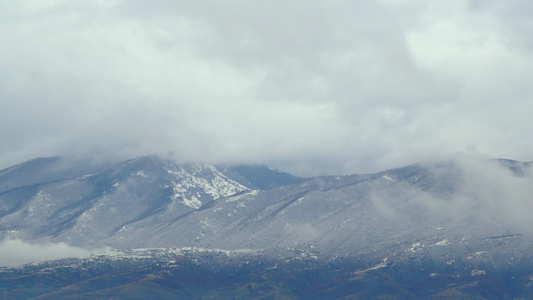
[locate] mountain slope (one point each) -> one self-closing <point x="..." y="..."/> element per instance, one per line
<point x="152" y="202"/>
<point x="457" y="229"/>
<point x="89" y="207"/>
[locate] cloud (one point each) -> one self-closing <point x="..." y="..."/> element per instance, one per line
<point x="506" y="196"/>
<point x="17" y="252"/>
<point x="311" y="87"/>
<point x="481" y="190"/>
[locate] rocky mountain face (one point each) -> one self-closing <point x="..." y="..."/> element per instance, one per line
<point x="425" y="230"/>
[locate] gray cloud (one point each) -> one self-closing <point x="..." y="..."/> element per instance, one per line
<point x="311" y="87"/>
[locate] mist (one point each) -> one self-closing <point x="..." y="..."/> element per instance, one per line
<point x="14" y="252"/>
<point x="483" y="190"/>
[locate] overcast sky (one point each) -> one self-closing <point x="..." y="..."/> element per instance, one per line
<point x="312" y="87"/>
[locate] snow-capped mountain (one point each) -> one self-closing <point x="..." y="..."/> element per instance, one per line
<point x="43" y="200"/>
<point x="153" y="202"/>
<point x="437" y="220"/>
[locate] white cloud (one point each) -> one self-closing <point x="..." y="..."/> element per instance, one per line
<point x="483" y="190"/>
<point x="506" y="196"/>
<point x="312" y="87"/>
<point x="17" y="252"/>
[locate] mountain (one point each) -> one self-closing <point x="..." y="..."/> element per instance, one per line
<point x="84" y="208"/>
<point x="449" y="229"/>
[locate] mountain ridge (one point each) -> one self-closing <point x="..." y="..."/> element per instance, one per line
<point x="456" y="228"/>
<point x="148" y="195"/>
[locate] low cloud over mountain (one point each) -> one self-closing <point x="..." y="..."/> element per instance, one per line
<point x="17" y="252"/>
<point x="313" y="88"/>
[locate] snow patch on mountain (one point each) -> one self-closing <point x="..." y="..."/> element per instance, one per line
<point x="381" y="265"/>
<point x="478" y="272"/>
<point x="140" y="174"/>
<point x="193" y="202"/>
<point x="241" y="196"/>
<point x="444" y="242"/>
<point x="416" y="247"/>
<point x="214" y="184"/>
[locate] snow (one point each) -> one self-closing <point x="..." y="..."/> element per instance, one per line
<point x="140" y="174"/>
<point x="444" y="242"/>
<point x="241" y="196"/>
<point x="478" y="272"/>
<point x="387" y="178"/>
<point x="193" y="202"/>
<point x="450" y="262"/>
<point x="476" y="254"/>
<point x="415" y="247"/>
<point x="41" y="202"/>
<point x="84" y="176"/>
<point x="216" y="185"/>
<point x="142" y="253"/>
<point x="274" y="169"/>
<point x="381" y="265"/>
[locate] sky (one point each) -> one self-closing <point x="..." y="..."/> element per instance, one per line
<point x="310" y="87"/>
